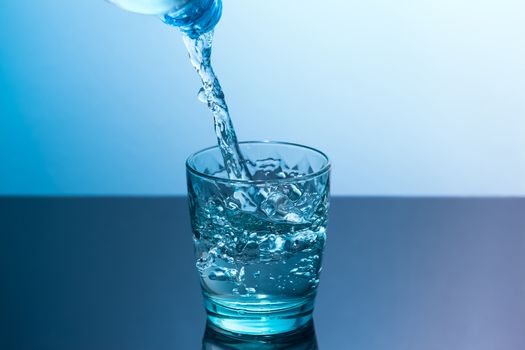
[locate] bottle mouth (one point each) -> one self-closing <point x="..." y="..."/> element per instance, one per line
<point x="195" y="19"/>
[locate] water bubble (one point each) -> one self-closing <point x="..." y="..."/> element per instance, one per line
<point x="313" y="282"/>
<point x="229" y="259"/>
<point x="251" y="250"/>
<point x="217" y="220"/>
<point x="206" y="260"/>
<point x="304" y="240"/>
<point x="218" y="275"/>
<point x="222" y="274"/>
<point x="273" y="247"/>
<point x="240" y="275"/>
<point x="302" y="271"/>
<point x="201" y="95"/>
<point x="293" y="217"/>
<point x="276" y="203"/>
<point x="276" y="243"/>
<point x="278" y="207"/>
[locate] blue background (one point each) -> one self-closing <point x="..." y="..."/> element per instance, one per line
<point x="407" y="97"/>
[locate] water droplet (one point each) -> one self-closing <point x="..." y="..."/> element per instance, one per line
<point x="201" y="95"/>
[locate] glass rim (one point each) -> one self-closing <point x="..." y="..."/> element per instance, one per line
<point x="324" y="169"/>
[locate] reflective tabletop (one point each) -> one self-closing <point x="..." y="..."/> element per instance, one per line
<point x="398" y="273"/>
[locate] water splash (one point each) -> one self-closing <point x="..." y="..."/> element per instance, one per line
<point x="199" y="50"/>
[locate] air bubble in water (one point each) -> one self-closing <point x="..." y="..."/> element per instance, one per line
<point x="201" y="95"/>
<point x="218" y="275"/>
<point x="223" y="274"/>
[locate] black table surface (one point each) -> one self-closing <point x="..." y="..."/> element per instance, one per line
<point x="399" y="273"/>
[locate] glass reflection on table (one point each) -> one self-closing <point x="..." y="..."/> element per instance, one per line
<point x="303" y="339"/>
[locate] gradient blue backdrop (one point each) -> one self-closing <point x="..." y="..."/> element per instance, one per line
<point x="407" y="97"/>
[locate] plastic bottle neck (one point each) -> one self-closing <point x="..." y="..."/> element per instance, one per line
<point x="195" y="18"/>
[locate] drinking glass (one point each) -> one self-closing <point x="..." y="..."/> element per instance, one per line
<point x="259" y="241"/>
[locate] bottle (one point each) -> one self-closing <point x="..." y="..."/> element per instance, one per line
<point x="192" y="17"/>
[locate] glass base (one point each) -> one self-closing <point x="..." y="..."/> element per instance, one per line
<point x="239" y="320"/>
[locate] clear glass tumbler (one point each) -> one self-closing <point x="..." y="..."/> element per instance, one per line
<point x="259" y="242"/>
